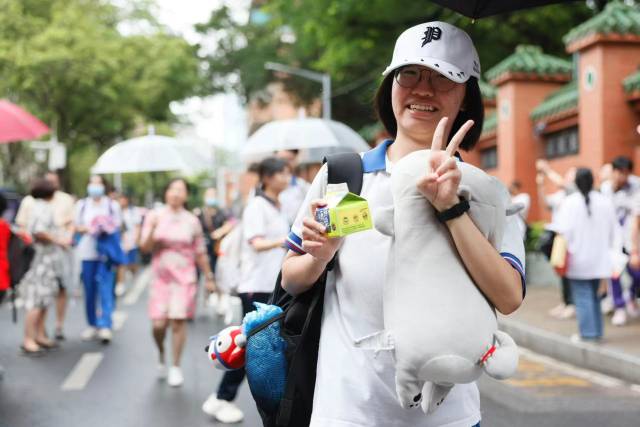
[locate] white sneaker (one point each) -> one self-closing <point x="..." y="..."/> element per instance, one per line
<point x="105" y="335"/>
<point x="212" y="405"/>
<point x="89" y="334"/>
<point x="175" y="378"/>
<point x="120" y="289"/>
<point x="568" y="312"/>
<point x="619" y="317"/>
<point x="161" y="371"/>
<point x="229" y="413"/>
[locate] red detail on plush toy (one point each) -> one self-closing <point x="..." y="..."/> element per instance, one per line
<point x="488" y="354"/>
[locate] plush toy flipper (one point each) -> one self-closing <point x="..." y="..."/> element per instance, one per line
<point x="433" y="396"/>
<point x="378" y="341"/>
<point x="503" y="362"/>
<point x="383" y="220"/>
<point x="408" y="388"/>
<point x="514" y="208"/>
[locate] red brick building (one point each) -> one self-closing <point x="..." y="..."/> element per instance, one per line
<point x="573" y="112"/>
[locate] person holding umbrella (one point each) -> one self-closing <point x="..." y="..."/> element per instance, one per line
<point x="429" y="98"/>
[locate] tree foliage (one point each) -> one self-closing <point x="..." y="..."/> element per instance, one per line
<point x="68" y="63"/>
<point x="353" y="41"/>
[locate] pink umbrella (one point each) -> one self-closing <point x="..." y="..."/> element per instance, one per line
<point x="18" y="125"/>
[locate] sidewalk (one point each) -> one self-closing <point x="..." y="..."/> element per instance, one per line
<point x="531" y="326"/>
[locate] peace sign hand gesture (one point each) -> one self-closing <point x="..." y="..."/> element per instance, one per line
<point x="440" y="184"/>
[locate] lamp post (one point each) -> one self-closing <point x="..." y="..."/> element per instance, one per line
<point x="325" y="79"/>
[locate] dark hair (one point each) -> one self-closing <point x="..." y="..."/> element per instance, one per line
<point x="473" y="110"/>
<point x="271" y="166"/>
<point x="254" y="168"/>
<point x="42" y="188"/>
<point x="171" y="181"/>
<point x="622" y="163"/>
<point x="3" y="203"/>
<point x="584" y="182"/>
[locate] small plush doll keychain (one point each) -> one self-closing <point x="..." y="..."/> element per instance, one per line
<point x="227" y="349"/>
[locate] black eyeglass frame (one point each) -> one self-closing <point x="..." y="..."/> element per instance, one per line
<point x="450" y="84"/>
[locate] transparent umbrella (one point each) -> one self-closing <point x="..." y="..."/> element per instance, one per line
<point x="309" y="135"/>
<point x="152" y="153"/>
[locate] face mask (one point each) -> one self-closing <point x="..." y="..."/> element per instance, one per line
<point x="211" y="202"/>
<point x="95" y="190"/>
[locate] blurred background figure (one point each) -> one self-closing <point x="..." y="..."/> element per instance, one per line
<point x="623" y="189"/>
<point x="41" y="283"/>
<point x="175" y="239"/>
<point x="97" y="217"/>
<point x="563" y="186"/>
<point x="587" y="221"/>
<point x="265" y="228"/>
<point x="62" y="205"/>
<point x="131" y="224"/>
<point x="293" y="196"/>
<point x="216" y="223"/>
<point x="524" y="200"/>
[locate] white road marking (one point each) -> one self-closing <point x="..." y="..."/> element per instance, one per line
<point x="138" y="288"/>
<point x="82" y="372"/>
<point x="595" y="377"/>
<point x="119" y="317"/>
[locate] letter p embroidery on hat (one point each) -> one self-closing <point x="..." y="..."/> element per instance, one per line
<point x="432" y="33"/>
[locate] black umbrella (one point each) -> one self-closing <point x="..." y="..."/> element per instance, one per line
<point x="482" y="8"/>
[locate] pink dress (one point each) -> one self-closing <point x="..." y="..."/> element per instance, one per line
<point x="174" y="283"/>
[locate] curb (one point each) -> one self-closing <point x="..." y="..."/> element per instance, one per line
<point x="586" y="355"/>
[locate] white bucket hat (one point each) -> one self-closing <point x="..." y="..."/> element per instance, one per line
<point x="439" y="46"/>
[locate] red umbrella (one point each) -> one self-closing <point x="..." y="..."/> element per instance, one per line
<point x="18" y="125"/>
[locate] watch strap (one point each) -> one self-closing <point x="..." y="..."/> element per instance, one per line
<point x="454" y="211"/>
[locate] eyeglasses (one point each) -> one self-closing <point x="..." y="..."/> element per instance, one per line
<point x="409" y="77"/>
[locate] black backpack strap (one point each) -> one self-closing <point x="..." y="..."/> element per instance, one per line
<point x="345" y="167"/>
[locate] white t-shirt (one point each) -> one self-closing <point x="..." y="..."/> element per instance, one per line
<point x="625" y="204"/>
<point x="86" y="210"/>
<point x="590" y="238"/>
<point x="292" y="197"/>
<point x="356" y="387"/>
<point x="131" y="219"/>
<point x="259" y="270"/>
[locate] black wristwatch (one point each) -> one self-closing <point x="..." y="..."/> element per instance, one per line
<point x="454" y="211"/>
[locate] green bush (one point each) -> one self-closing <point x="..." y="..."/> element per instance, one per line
<point x="533" y="234"/>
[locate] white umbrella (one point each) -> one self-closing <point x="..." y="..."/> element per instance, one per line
<point x="152" y="153"/>
<point x="302" y="134"/>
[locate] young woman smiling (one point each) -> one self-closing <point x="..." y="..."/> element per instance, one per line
<point x="429" y="98"/>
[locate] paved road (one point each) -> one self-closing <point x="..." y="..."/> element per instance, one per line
<point x="87" y="384"/>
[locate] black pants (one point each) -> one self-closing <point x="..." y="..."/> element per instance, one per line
<point x="566" y="292"/>
<point x="228" y="388"/>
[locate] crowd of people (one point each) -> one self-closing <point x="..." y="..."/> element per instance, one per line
<point x="598" y="216"/>
<point x="94" y="245"/>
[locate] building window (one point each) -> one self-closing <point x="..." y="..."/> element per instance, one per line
<point x="563" y="143"/>
<point x="489" y="158"/>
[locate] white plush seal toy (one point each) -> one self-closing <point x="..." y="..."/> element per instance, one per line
<point x="439" y="326"/>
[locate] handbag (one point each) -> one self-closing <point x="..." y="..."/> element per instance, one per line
<point x="560" y="255"/>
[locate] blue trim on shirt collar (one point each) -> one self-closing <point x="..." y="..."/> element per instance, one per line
<point x="375" y="159"/>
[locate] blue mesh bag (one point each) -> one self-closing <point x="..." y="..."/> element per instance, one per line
<point x="266" y="364"/>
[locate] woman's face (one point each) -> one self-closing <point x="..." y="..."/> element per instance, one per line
<point x="418" y="109"/>
<point x="278" y="182"/>
<point x="176" y="194"/>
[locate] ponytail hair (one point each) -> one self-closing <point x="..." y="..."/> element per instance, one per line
<point x="584" y="182"/>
